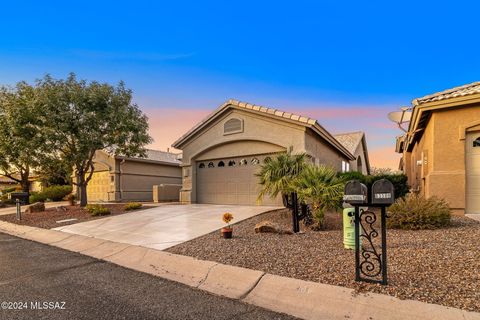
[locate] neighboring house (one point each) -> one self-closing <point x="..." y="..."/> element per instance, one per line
<point x="6" y="183"/>
<point x="441" y="151"/>
<point x="223" y="152"/>
<point x="132" y="179"/>
<point x="356" y="144"/>
<point x="35" y="184"/>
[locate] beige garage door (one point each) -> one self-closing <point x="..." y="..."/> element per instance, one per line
<point x="230" y="181"/>
<point x="98" y="187"/>
<point x="473" y="172"/>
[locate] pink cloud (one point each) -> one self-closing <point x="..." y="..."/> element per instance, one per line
<point x="169" y="124"/>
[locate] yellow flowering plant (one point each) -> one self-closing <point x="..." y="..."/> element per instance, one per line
<point x="227" y="217"/>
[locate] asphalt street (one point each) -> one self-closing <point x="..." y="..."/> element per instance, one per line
<point x="42" y="282"/>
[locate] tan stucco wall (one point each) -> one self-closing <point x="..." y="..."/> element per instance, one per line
<point x="359" y="153"/>
<point x="442" y="173"/>
<point x="131" y="180"/>
<point x="323" y="153"/>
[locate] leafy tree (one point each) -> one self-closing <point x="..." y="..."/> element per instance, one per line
<point x="276" y="174"/>
<point x="320" y="187"/>
<point x="21" y="139"/>
<point x="82" y="118"/>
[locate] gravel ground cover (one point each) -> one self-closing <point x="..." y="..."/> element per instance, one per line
<point x="435" y="266"/>
<point x="48" y="219"/>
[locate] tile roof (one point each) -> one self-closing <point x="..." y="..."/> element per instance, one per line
<point x="460" y="91"/>
<point x="302" y="120"/>
<point x="350" y="140"/>
<point x="161" y="156"/>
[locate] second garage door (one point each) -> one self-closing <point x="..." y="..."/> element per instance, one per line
<point x="473" y="173"/>
<point x="231" y="181"/>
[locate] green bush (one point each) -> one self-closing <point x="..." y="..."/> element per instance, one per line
<point x="53" y="193"/>
<point x="132" y="206"/>
<point x="56" y="193"/>
<point x="97" y="210"/>
<point x="37" y="197"/>
<point x="416" y="212"/>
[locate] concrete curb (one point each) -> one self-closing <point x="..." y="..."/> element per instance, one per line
<point x="303" y="299"/>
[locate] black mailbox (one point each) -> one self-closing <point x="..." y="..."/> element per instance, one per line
<point x="355" y="192"/>
<point x="383" y="192"/>
<point x="21" y="196"/>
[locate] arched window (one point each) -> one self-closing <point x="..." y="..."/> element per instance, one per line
<point x="476" y="143"/>
<point x="221" y="164"/>
<point x="359" y="164"/>
<point x="243" y="162"/>
<point x="231" y="163"/>
<point x="233" y="125"/>
<point x="211" y="165"/>
<point x="201" y="165"/>
<point x="255" y="161"/>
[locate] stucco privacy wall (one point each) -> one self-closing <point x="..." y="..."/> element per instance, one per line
<point x="137" y="178"/>
<point x="117" y="179"/>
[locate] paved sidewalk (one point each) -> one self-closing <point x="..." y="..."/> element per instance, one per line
<point x="303" y="299"/>
<point x="164" y="226"/>
<point x="94" y="289"/>
<point x="10" y="210"/>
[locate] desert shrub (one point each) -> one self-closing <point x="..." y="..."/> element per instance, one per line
<point x="321" y="188"/>
<point x="56" y="193"/>
<point x="132" y="206"/>
<point x="417" y="212"/>
<point x="97" y="210"/>
<point x="37" y="197"/>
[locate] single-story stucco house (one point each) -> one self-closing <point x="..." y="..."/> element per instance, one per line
<point x="356" y="144"/>
<point x="441" y="150"/>
<point x="118" y="178"/>
<point x="223" y="152"/>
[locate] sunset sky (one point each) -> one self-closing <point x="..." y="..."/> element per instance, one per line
<point x="346" y="64"/>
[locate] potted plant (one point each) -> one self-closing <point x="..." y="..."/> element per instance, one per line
<point x="227" y="231"/>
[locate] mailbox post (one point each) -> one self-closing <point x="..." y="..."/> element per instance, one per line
<point x="370" y="264"/>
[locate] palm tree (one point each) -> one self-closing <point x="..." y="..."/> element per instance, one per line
<point x="276" y="174"/>
<point x="320" y="187"/>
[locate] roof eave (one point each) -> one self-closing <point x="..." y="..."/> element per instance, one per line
<point x="421" y="108"/>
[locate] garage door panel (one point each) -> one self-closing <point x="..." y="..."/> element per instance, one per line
<point x="472" y="173"/>
<point x="233" y="184"/>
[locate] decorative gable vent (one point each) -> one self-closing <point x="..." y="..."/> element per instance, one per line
<point x="233" y="125"/>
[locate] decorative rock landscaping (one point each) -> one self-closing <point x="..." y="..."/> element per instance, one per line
<point x="436" y="266"/>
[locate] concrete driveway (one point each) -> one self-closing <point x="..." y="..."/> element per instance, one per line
<point x="164" y="226"/>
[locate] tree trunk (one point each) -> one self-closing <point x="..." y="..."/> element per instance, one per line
<point x="83" y="194"/>
<point x="26" y="187"/>
<point x="82" y="189"/>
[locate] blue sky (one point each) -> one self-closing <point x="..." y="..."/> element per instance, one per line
<point x="300" y="56"/>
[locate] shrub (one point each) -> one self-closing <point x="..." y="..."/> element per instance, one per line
<point x="320" y="187"/>
<point x="37" y="197"/>
<point x="56" y="193"/>
<point x="132" y="206"/>
<point x="97" y="210"/>
<point x="416" y="212"/>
